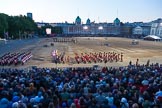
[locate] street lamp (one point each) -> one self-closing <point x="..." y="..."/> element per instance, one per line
<point x="85" y="28"/>
<point x="100" y="28"/>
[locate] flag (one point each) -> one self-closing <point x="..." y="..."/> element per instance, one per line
<point x="54" y="53"/>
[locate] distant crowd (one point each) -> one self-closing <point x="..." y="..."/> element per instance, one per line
<point x="133" y="86"/>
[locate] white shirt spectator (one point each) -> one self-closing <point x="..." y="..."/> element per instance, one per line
<point x="145" y="82"/>
<point x="158" y="94"/>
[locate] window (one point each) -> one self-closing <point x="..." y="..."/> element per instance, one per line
<point x="160" y="33"/>
<point x="152" y="31"/>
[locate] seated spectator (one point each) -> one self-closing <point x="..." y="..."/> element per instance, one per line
<point x="73" y="105"/>
<point x="76" y="102"/>
<point x="158" y="96"/>
<point x="82" y="102"/>
<point x="4" y="103"/>
<point x="105" y="104"/>
<point x="146" y="104"/>
<point x="100" y="98"/>
<point x="135" y="105"/>
<point x="110" y="98"/>
<point x="39" y="97"/>
<point x="51" y="105"/>
<point x="124" y="103"/>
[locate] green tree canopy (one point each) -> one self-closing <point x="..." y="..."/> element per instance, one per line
<point x="3" y="24"/>
<point x="16" y="26"/>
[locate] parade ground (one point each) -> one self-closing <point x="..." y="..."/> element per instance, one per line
<point x="42" y="48"/>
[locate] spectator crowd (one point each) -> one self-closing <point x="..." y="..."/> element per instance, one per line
<point x="107" y="87"/>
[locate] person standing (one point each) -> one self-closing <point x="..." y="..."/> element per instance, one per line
<point x="137" y="62"/>
<point x="130" y="63"/>
<point x="121" y="57"/>
<point x="148" y="63"/>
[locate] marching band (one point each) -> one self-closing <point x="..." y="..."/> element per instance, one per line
<point x="98" y="57"/>
<point x="101" y="57"/>
<point x="14" y="58"/>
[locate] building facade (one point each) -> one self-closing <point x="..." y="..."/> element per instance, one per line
<point x="137" y="30"/>
<point x="156" y="28"/>
<point x="104" y="28"/>
<point x="91" y="28"/>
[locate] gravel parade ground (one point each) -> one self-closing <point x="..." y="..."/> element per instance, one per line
<point x="41" y="50"/>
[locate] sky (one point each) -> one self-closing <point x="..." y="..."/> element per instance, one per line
<point x="53" y="11"/>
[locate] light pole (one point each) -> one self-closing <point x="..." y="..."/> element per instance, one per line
<point x="100" y="28"/>
<point x="85" y="28"/>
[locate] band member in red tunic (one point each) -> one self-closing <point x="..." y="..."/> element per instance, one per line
<point x="118" y="57"/>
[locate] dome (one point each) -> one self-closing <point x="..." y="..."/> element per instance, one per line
<point x="138" y="27"/>
<point x="78" y="20"/>
<point x="88" y="21"/>
<point x="117" y="21"/>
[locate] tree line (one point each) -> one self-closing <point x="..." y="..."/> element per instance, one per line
<point x="14" y="27"/>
